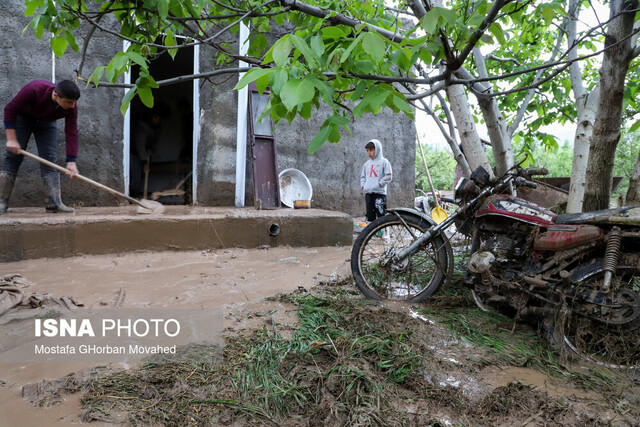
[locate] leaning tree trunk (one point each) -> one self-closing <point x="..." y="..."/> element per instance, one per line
<point x="606" y="130"/>
<point x="471" y="143"/>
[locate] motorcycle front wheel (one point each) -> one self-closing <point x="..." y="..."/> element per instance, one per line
<point x="411" y="279"/>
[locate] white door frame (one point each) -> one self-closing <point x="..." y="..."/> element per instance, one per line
<point x="126" y="157"/>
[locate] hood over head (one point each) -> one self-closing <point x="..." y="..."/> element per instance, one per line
<point x="378" y="146"/>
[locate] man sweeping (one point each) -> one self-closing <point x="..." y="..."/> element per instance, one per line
<point x="35" y="110"/>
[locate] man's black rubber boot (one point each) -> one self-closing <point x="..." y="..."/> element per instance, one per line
<point x="6" y="186"/>
<point x="52" y="188"/>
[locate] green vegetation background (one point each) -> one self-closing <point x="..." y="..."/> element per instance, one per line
<point x="556" y="158"/>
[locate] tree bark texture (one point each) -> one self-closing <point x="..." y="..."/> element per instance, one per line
<point x="581" y="143"/>
<point x="496" y="125"/>
<point x="606" y="130"/>
<point x="469" y="137"/>
<point x="633" y="193"/>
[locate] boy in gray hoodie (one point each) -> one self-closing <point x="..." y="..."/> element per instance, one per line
<point x="376" y="174"/>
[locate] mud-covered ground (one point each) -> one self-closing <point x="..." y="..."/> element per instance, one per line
<point x="313" y="352"/>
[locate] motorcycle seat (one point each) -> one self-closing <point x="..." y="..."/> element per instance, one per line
<point x="623" y="215"/>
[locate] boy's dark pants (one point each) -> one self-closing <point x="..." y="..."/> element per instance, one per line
<point x="376" y="205"/>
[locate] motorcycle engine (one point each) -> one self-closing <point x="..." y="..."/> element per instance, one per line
<point x="502" y="246"/>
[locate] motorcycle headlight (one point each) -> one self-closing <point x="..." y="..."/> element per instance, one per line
<point x="466" y="190"/>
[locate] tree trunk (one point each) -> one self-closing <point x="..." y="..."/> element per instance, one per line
<point x="471" y="144"/>
<point x="606" y="130"/>
<point x="633" y="193"/>
<point x="582" y="141"/>
<point x="496" y="125"/>
<point x="586" y="105"/>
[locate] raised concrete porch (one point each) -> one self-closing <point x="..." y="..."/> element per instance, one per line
<point x="29" y="233"/>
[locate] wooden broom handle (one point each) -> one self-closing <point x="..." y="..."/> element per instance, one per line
<point x="83" y="178"/>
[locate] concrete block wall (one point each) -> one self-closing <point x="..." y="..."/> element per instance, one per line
<point x="333" y="171"/>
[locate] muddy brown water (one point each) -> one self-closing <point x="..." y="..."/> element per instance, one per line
<point x="226" y="278"/>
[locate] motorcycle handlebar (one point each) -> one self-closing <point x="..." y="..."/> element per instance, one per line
<point x="521" y="182"/>
<point x="535" y="171"/>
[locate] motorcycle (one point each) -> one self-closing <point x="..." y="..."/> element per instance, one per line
<point x="576" y="275"/>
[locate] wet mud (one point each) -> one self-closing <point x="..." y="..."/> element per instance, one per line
<point x="432" y="373"/>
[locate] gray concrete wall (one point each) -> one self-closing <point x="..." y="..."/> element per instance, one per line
<point x="25" y="58"/>
<point x="333" y="170"/>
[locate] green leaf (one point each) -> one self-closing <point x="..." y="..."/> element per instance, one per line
<point x="281" y="50"/>
<point x="59" y="45"/>
<point x="71" y="40"/>
<point x="278" y="79"/>
<point x="634" y="126"/>
<point x="338" y="120"/>
<point x="127" y="99"/>
<point x="326" y="92"/>
<point x="317" y="45"/>
<point x="333" y="33"/>
<point x="486" y="38"/>
<point x="303" y="47"/>
<point x="404" y="106"/>
<point x="252" y="75"/>
<point x="448" y="15"/>
<point x="296" y="92"/>
<point x="262" y="83"/>
<point x="32" y="6"/>
<point x="496" y="30"/>
<point x="169" y="40"/>
<point x="97" y="74"/>
<point x="376" y="96"/>
<point x="548" y="13"/>
<point x="120" y="61"/>
<point x="163" y="8"/>
<point x="358" y="91"/>
<point x="305" y="111"/>
<point x="319" y="139"/>
<point x="347" y="53"/>
<point x="334" y="135"/>
<point x="137" y="58"/>
<point x="374" y="46"/>
<point x="430" y="21"/>
<point x="365" y="67"/>
<point x="146" y="96"/>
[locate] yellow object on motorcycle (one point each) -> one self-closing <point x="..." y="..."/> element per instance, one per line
<point x="438" y="214"/>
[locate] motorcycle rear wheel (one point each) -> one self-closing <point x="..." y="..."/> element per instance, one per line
<point x="411" y="279"/>
<point x="614" y="340"/>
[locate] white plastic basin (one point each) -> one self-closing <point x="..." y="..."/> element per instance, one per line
<point x="294" y="185"/>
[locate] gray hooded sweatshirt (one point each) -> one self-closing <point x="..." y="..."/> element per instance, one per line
<point x="376" y="172"/>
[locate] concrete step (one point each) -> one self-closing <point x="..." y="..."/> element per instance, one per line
<point x="30" y="233"/>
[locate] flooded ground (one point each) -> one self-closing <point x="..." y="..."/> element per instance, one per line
<point x="461" y="382"/>
<point x="230" y="278"/>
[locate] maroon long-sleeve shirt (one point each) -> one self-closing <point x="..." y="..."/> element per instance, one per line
<point x="34" y="100"/>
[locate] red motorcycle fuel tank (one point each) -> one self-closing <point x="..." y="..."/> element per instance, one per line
<point x="563" y="237"/>
<point x="517" y="209"/>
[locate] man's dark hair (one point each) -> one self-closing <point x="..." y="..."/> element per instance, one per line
<point x="370" y="145"/>
<point x="67" y="89"/>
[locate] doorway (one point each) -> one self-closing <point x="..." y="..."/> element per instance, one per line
<point x="162" y="140"/>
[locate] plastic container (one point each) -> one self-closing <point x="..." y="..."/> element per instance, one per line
<point x="294" y="185"/>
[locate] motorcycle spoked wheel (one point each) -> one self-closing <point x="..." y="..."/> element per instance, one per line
<point x="615" y="341"/>
<point x="411" y="279"/>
